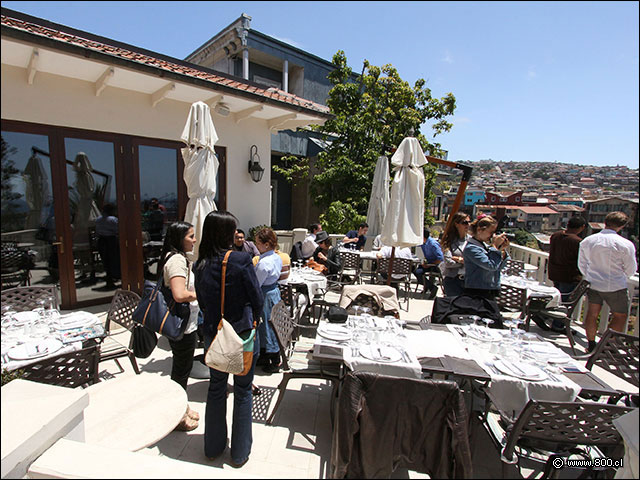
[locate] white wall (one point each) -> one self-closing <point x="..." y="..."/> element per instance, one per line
<point x="55" y="100"/>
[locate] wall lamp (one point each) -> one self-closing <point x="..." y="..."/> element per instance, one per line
<point x="255" y="170"/>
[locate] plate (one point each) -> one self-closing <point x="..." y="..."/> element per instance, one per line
<point x="75" y="321"/>
<point x="338" y="333"/>
<point x="36" y="349"/>
<point x="22" y="318"/>
<point x="522" y="370"/>
<point x="547" y="351"/>
<point x="381" y="353"/>
<point x="486" y="336"/>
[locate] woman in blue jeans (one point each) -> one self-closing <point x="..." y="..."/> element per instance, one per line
<point x="242" y="306"/>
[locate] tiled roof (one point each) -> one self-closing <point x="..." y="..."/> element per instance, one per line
<point x="537" y="210"/>
<point x="192" y="71"/>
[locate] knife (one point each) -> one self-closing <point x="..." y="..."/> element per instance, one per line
<point x="515" y="368"/>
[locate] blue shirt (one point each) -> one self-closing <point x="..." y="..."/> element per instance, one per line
<point x="431" y="250"/>
<point x="268" y="268"/>
<point x="482" y="266"/>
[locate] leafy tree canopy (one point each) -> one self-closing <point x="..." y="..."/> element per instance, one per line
<point x="371" y="115"/>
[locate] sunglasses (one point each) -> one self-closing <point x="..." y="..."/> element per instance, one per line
<point x="466" y="222"/>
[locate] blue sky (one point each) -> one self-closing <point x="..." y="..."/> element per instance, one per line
<point x="534" y="81"/>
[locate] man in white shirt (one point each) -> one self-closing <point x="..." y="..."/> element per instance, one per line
<point x="607" y="260"/>
<point x="309" y="244"/>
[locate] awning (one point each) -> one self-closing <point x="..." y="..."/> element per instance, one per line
<point x="316" y="145"/>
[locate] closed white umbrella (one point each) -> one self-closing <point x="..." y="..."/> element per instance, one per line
<point x="379" y="200"/>
<point x="200" y="167"/>
<point x="404" y="220"/>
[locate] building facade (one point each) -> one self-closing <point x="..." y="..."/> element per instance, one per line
<point x="87" y="121"/>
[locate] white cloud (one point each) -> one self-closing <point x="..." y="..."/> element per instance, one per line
<point x="447" y="57"/>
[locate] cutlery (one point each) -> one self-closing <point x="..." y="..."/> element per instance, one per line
<point x="381" y="356"/>
<point x="514" y="367"/>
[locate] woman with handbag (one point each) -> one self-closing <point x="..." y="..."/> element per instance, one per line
<point x="178" y="281"/>
<point x="268" y="271"/>
<point x="243" y="302"/>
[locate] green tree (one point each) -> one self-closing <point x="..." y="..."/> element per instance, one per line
<point x="371" y="115"/>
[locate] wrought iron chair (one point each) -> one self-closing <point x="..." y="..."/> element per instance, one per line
<point x="513" y="267"/>
<point x="617" y="353"/>
<point x="401" y="274"/>
<point x="27" y="298"/>
<point x="546" y="431"/>
<point x="70" y="369"/>
<point x="295" y="356"/>
<point x="123" y="304"/>
<point x="15" y="266"/>
<point x="565" y="311"/>
<point x="350" y="268"/>
<point x="512" y="301"/>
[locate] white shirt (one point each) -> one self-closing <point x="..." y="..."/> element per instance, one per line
<point x="309" y="245"/>
<point x="607" y="260"/>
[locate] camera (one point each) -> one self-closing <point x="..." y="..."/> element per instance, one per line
<point x="510" y="236"/>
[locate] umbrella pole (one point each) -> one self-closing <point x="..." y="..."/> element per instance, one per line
<point x="393" y="254"/>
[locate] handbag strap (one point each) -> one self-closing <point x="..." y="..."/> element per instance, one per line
<point x="224" y="275"/>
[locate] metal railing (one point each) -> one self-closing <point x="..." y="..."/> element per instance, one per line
<point x="540" y="259"/>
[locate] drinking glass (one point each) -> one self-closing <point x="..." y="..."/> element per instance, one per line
<point x="487" y="322"/>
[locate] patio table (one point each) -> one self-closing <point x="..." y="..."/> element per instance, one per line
<point x="534" y="288"/>
<point x="134" y="411"/>
<point x="70" y="333"/>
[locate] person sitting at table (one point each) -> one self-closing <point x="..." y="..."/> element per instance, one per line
<point x="268" y="271"/>
<point x="326" y="254"/>
<point x="242" y="245"/>
<point x="310" y="244"/>
<point x="355" y="239"/>
<point x="484" y="256"/>
<point x="242" y="307"/>
<point x="177" y="276"/>
<point x="432" y="253"/>
<point x="453" y="241"/>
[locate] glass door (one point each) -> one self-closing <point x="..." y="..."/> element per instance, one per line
<point x="94" y="231"/>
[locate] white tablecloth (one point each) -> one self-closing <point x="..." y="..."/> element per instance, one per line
<point x="511" y="394"/>
<point x="314" y="281"/>
<point x="533" y="288"/>
<point x="407" y="367"/>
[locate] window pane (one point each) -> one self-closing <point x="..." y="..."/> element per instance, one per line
<point x="28" y="224"/>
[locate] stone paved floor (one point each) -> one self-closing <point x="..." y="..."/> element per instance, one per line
<point x="298" y="443"/>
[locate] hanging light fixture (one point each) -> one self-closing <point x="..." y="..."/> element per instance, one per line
<point x="255" y="170"/>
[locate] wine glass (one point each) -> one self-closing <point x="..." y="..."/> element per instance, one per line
<point x="487" y="322"/>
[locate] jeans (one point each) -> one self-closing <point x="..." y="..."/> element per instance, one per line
<point x="453" y="286"/>
<point x="182" y="352"/>
<point x="215" y="420"/>
<point x="420" y="273"/>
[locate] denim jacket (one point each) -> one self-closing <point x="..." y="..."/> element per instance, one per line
<point x="482" y="266"/>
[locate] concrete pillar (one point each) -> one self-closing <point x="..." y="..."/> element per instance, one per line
<point x="245" y="63"/>
<point x="285" y="76"/>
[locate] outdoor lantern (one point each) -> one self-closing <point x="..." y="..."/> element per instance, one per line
<point x="255" y="170"/>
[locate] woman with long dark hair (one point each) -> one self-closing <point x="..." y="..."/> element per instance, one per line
<point x="242" y="307"/>
<point x="453" y="241"/>
<point x="484" y="256"/>
<point x="174" y="270"/>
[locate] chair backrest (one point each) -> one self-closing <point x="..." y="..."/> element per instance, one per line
<point x="576" y="295"/>
<point x="512" y="298"/>
<point x="123" y="304"/>
<point x="26" y="298"/>
<point x="282" y="323"/>
<point x="566" y="423"/>
<point x="350" y="260"/>
<point x="401" y="266"/>
<point x="296" y="251"/>
<point x="423" y="421"/>
<point x="286" y="294"/>
<point x="513" y="267"/>
<point x="382" y="299"/>
<point x="618" y="354"/>
<point x="70" y="369"/>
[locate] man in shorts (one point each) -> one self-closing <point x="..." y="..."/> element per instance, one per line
<point x="607" y="260"/>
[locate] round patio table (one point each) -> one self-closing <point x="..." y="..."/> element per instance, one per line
<point x="134" y="411"/>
